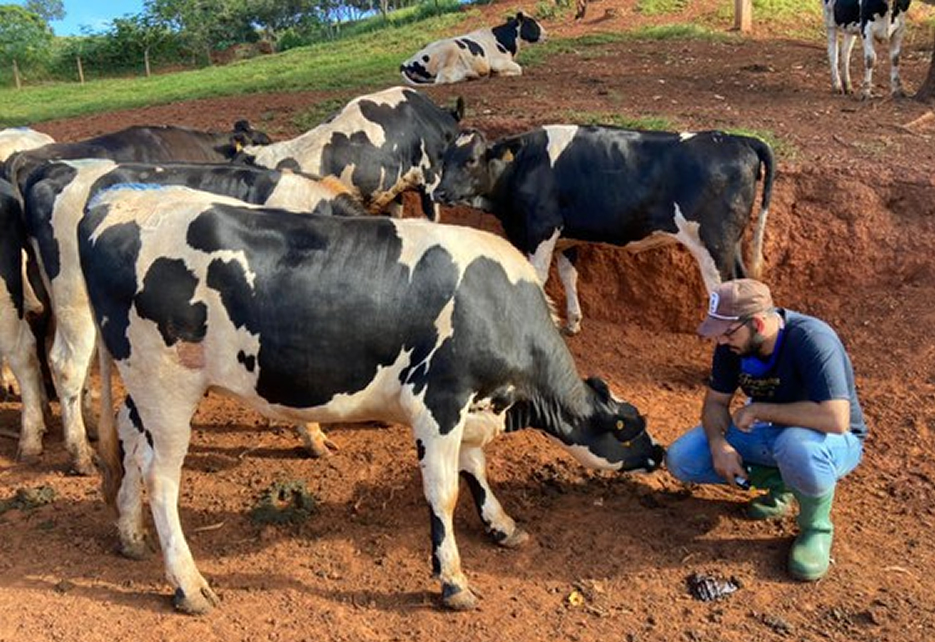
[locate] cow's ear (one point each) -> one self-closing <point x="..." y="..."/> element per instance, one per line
<point x="520" y="16"/>
<point x="599" y="386"/>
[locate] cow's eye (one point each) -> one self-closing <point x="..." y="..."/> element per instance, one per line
<point x="472" y="162"/>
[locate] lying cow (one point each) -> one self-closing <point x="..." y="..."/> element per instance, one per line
<point x="871" y="20"/>
<point x="481" y="53"/>
<point x="332" y="319"/>
<point x="55" y="196"/>
<point x="618" y="186"/>
<point x="379" y="145"/>
<point x="17" y="344"/>
<point x="141" y="144"/>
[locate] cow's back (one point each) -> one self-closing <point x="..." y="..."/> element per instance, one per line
<point x="308" y="307"/>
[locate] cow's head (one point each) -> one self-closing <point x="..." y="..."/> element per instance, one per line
<point x="613" y="436"/>
<point x="471" y="167"/>
<point x="243" y="136"/>
<point x="529" y="28"/>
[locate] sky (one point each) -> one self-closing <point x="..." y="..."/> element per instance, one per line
<point x="96" y="14"/>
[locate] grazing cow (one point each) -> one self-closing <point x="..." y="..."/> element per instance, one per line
<point x="379" y="145"/>
<point x="55" y="196"/>
<point x="618" y="186"/>
<point x="443" y="328"/>
<point x="17" y="343"/>
<point x="141" y="144"/>
<point x="481" y="53"/>
<point x="871" y="20"/>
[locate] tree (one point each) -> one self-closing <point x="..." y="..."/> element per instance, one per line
<point x="48" y="10"/>
<point x="24" y="38"/>
<point x="927" y="89"/>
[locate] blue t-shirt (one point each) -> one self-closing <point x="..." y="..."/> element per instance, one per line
<point x="809" y="364"/>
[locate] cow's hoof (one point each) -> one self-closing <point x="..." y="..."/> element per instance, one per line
<point x="316" y="443"/>
<point x="136" y="548"/>
<point x="455" y="598"/>
<point x="29" y="454"/>
<point x="198" y="603"/>
<point x="83" y="466"/>
<point x="572" y="329"/>
<point x="515" y="539"/>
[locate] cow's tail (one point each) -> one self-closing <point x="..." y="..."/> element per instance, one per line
<point x="765" y="153"/>
<point x="108" y="443"/>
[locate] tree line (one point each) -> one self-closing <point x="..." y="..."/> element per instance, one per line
<point x="171" y="33"/>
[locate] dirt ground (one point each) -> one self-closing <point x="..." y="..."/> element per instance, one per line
<point x="849" y="239"/>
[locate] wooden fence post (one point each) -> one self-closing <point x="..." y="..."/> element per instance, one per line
<point x="19" y="84"/>
<point x="743" y="15"/>
<point x="80" y="70"/>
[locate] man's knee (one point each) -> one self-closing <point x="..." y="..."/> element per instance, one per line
<point x="804" y="461"/>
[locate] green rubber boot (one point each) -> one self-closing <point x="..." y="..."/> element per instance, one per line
<point x="774" y="504"/>
<point x="811" y="551"/>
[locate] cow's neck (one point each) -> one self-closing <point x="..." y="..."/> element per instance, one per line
<point x="508" y="35"/>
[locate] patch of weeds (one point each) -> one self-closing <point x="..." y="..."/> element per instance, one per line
<point x="285" y="502"/>
<point x="28" y="499"/>
<point x="781" y="148"/>
<point x="650" y="123"/>
<point x="660" y="7"/>
<point x="551" y="9"/>
<point x="681" y="32"/>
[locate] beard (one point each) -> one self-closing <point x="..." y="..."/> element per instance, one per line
<point x="752" y="347"/>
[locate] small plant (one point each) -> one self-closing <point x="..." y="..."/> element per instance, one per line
<point x="287" y="502"/>
<point x="660" y="7"/>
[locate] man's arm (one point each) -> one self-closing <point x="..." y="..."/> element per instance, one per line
<point x="715" y="419"/>
<point x="833" y="416"/>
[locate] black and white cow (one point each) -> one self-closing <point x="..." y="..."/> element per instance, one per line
<point x="17" y="343"/>
<point x="481" y="53"/>
<point x="618" y="186"/>
<point x="443" y="328"/>
<point x="56" y="194"/>
<point x="141" y="144"/>
<point x="16" y="139"/>
<point x="872" y="21"/>
<point x="379" y="145"/>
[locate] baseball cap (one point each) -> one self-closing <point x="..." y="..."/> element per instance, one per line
<point x="733" y="301"/>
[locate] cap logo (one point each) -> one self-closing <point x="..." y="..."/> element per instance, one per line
<point x="713" y="300"/>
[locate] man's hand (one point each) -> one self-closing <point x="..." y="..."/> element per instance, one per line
<point x="745" y="417"/>
<point x="727" y="462"/>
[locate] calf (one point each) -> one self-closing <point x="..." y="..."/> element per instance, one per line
<point x="618" y="186"/>
<point x="379" y="145"/>
<point x="17" y="343"/>
<point x="142" y="144"/>
<point x="55" y="196"/>
<point x="872" y="20"/>
<point x="481" y="53"/>
<point x="320" y="318"/>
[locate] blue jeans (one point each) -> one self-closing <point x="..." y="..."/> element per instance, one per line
<point x="809" y="461"/>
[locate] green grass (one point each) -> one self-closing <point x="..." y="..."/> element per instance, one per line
<point x="365" y="61"/>
<point x="660" y="7"/>
<point x="646" y="123"/>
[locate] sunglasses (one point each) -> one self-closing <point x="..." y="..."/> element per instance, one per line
<point x="741" y="323"/>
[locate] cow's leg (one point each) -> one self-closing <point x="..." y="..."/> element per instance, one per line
<point x="395" y="207"/>
<point x="896" y="44"/>
<point x="509" y="68"/>
<point x="70" y="361"/>
<point x="315" y="440"/>
<point x="8" y="379"/>
<point x="713" y="267"/>
<point x="430" y="209"/>
<point x="500" y="526"/>
<point x="569" y="276"/>
<point x="846" y="49"/>
<point x="438" y="460"/>
<point x="541" y="258"/>
<point x="833" y="61"/>
<point x="870" y="61"/>
<point x="18" y="345"/>
<point x="165" y="423"/>
<point x="137" y="453"/>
